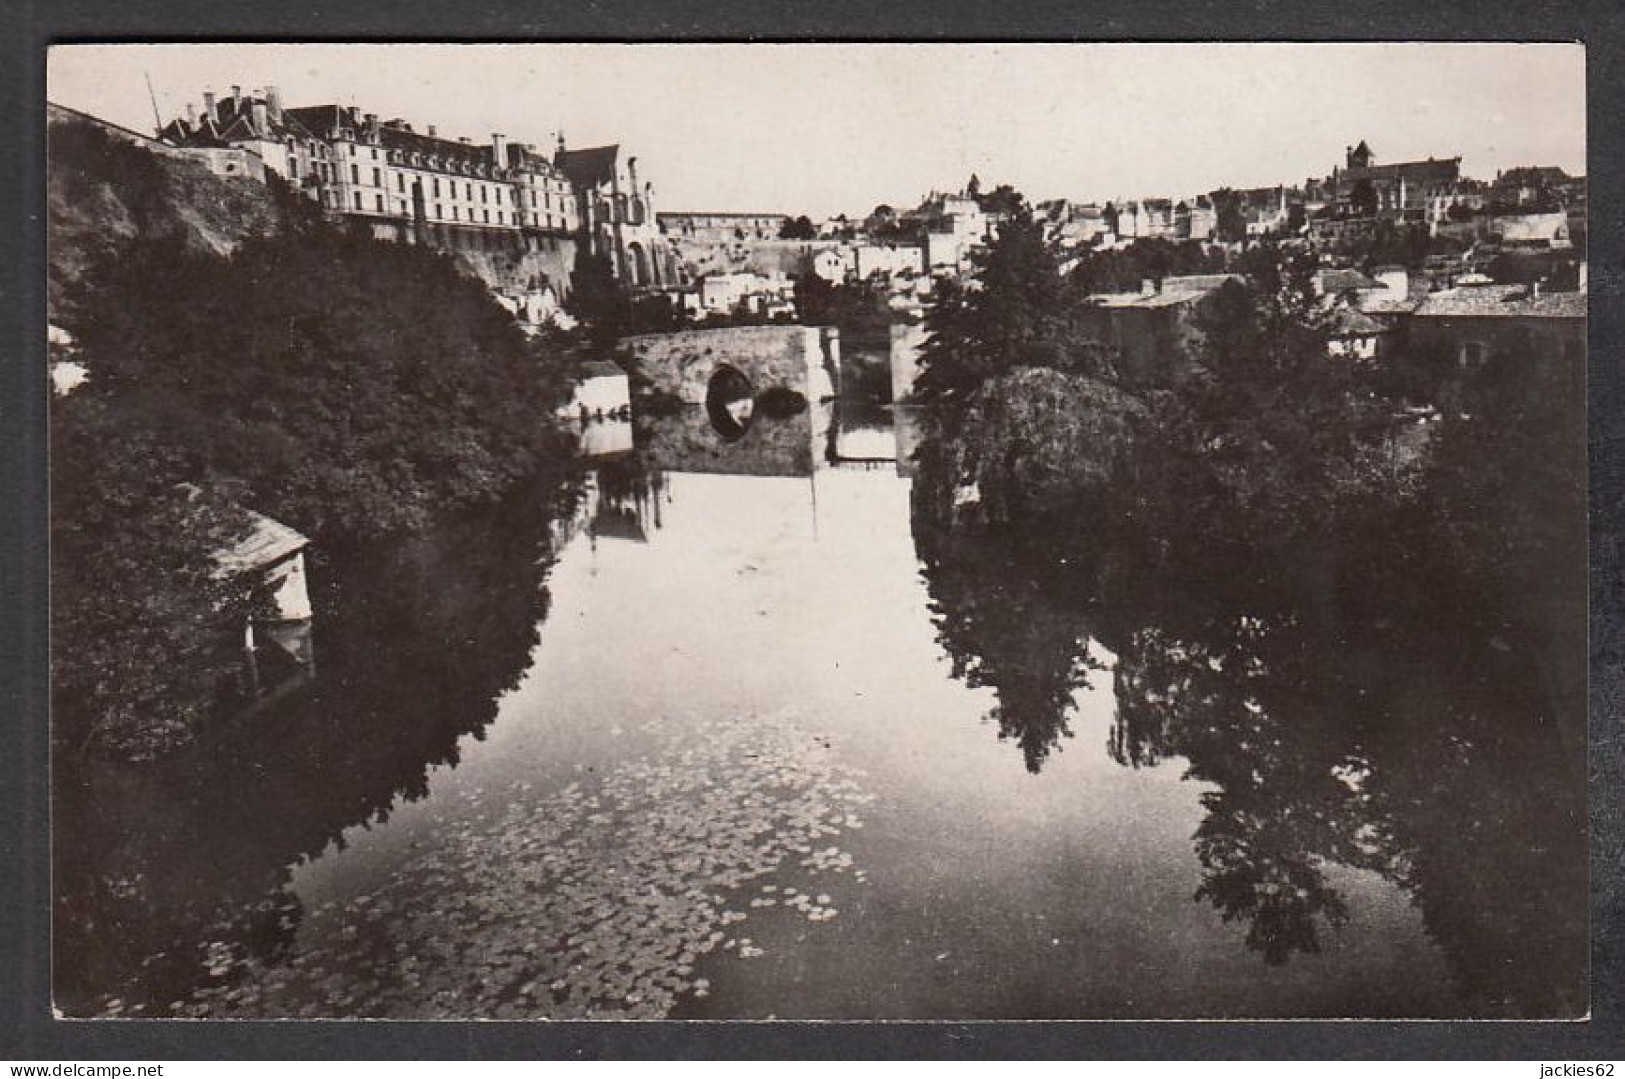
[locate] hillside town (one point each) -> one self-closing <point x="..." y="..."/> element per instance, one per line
<point x="1397" y="241"/>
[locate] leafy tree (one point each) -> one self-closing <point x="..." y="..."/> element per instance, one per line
<point x="1267" y="422"/>
<point x="1230" y="223"/>
<point x="1363" y="198"/>
<point x="1019" y="312"/>
<point x="142" y="632"/>
<point x="1003" y="199"/>
<point x="798" y="228"/>
<point x="349" y="388"/>
<point x="599" y="300"/>
<point x="1150" y="259"/>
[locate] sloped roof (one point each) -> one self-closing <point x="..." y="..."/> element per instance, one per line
<point x="412" y="142"/>
<point x="1501" y="301"/>
<point x="1198" y="282"/>
<point x="1185" y="289"/>
<point x="268" y="542"/>
<point x="590" y="167"/>
<point x="319" y="119"/>
<point x="234" y="121"/>
<point x="1145" y="299"/>
<point x="1334" y="281"/>
<point x="1437" y="170"/>
<point x="601" y="369"/>
<point x="1382" y="302"/>
<point x="1352" y="323"/>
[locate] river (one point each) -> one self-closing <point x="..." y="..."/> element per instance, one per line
<point x="736" y="735"/>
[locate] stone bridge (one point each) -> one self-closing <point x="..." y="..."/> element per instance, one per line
<point x="803" y="359"/>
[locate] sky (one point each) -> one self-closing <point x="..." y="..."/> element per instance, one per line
<point x="825" y="129"/>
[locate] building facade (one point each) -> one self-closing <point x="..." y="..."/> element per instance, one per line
<point x="420" y="186"/>
<point x="617" y="215"/>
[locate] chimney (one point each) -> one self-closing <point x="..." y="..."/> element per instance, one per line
<point x="273" y="102"/>
<point x="209" y="109"/>
<point x="632" y="172"/>
<point x="191" y="115"/>
<point x="431" y="132"/>
<point x="236" y="92"/>
<point x="262" y="126"/>
<point x="499" y="149"/>
<point x="372" y="126"/>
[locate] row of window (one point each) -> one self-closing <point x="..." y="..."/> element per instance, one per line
<point x="403" y="208"/>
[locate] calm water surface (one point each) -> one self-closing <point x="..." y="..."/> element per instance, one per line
<point x="715" y="745"/>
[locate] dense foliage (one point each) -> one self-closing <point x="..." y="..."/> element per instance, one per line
<point x="1368" y="657"/>
<point x="1019" y="312"/>
<point x="1250" y="412"/>
<point x="1111" y="269"/>
<point x="798" y="228"/>
<point x="348" y="388"/>
<point x="355" y="387"/>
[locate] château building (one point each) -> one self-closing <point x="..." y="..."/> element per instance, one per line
<point x="419" y="186"/>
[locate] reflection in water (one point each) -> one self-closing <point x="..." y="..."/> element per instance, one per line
<point x="624" y="499"/>
<point x="1368" y="712"/>
<point x="1291" y="751"/>
<point x="729" y="402"/>
<point x="162" y="872"/>
<point x="604" y="438"/>
<point x="688" y="440"/>
<point x="1008" y="625"/>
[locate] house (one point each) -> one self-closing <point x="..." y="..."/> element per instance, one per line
<point x="1356" y="335"/>
<point x="765" y="294"/>
<point x="1393" y="296"/>
<point x="1338" y="284"/>
<point x="888" y="260"/>
<point x="1196" y="220"/>
<point x="1536" y="231"/>
<point x="830" y="265"/>
<point x="269" y="562"/>
<point x="1476" y="325"/>
<point x="602" y="390"/>
<point x="1155" y="329"/>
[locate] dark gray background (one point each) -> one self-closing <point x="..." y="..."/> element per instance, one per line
<point x="27" y="1029"/>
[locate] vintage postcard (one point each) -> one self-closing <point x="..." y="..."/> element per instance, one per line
<point x="818" y="532"/>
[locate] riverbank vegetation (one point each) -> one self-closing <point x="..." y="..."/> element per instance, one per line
<point x="1348" y="644"/>
<point x="352" y="389"/>
<point x="1250" y="427"/>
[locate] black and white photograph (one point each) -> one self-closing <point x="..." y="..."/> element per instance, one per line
<point x="840" y="532"/>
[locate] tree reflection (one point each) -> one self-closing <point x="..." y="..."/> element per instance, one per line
<point x="163" y="872"/>
<point x="1386" y="702"/>
<point x="1015" y="623"/>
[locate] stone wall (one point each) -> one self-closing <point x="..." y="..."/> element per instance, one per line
<point x="698" y="258"/>
<point x="805" y="359"/>
<point x="506" y="260"/>
<point x="792" y="446"/>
